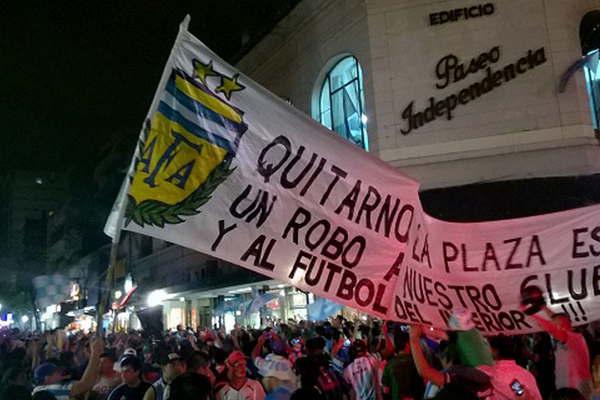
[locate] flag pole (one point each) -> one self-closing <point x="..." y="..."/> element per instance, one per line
<point x="121" y="201"/>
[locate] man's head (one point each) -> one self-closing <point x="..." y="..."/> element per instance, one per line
<point x="315" y="345"/>
<point x="130" y="368"/>
<point x="277" y="346"/>
<point x="400" y="340"/>
<point x="107" y="363"/>
<point x="190" y="386"/>
<point x="173" y="366"/>
<point x="503" y="347"/>
<point x="236" y="365"/>
<point x="47" y="374"/>
<point x="199" y="361"/>
<point x="563" y="321"/>
<point x="358" y="349"/>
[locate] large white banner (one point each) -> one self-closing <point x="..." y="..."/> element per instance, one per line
<point x="228" y="169"/>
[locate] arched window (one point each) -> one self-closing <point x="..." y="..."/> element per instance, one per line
<point x="341" y="102"/>
<point x="589" y="34"/>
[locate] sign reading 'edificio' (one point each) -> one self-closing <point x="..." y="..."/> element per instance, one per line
<point x="450" y="69"/>
<point x="458" y="14"/>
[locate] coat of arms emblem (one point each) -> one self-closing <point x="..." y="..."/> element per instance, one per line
<point x="186" y="148"/>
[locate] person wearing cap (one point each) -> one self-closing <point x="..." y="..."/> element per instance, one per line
<point x="50" y="379"/>
<point x="130" y="351"/>
<point x="238" y="386"/>
<point x="173" y="365"/>
<point x="362" y="373"/>
<point x="132" y="388"/>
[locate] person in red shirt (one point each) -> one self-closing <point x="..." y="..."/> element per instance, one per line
<point x="572" y="357"/>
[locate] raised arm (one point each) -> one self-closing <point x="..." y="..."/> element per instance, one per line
<point x="90" y="375"/>
<point x="425" y="370"/>
<point x="549" y="326"/>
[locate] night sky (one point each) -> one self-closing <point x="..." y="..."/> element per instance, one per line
<point x="76" y="74"/>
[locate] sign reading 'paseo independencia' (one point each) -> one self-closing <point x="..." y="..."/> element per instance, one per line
<point x="450" y="69"/>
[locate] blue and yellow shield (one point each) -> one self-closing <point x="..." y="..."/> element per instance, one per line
<point x="184" y="153"/>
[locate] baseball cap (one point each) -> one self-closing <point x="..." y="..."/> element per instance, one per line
<point x="174" y="357"/>
<point x="130" y="351"/>
<point x="234" y="357"/>
<point x="131" y="361"/>
<point x="44" y="370"/>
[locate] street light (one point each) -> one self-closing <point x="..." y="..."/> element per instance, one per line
<point x="156" y="297"/>
<point x="118" y="294"/>
<point x="24" y="319"/>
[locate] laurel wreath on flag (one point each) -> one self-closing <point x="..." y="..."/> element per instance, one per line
<point x="158" y="213"/>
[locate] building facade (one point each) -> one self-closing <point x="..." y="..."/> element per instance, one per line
<point x="455" y="92"/>
<point x="197" y="290"/>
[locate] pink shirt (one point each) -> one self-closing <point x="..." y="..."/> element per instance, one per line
<point x="504" y="373"/>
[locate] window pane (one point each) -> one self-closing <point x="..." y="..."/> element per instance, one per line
<point x="341" y="102"/>
<point x="337" y="111"/>
<point x="325" y="106"/>
<point x="592" y="74"/>
<point x="352" y="113"/>
<point x="326" y="119"/>
<point x="342" y="73"/>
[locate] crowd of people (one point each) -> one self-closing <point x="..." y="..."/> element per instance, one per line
<point x="328" y="360"/>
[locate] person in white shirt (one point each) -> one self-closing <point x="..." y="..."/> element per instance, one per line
<point x="238" y="386"/>
<point x="362" y="373"/>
